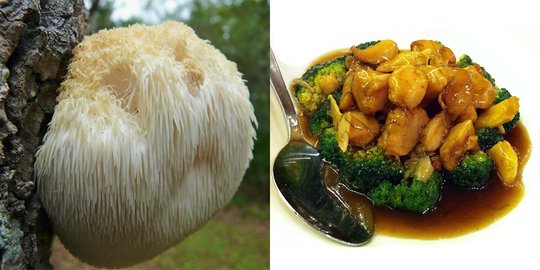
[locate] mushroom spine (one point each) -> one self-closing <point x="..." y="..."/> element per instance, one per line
<point x="152" y="134"/>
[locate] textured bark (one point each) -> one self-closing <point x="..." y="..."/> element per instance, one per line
<point x="36" y="40"/>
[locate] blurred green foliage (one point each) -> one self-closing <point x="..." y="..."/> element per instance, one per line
<point x="240" y="29"/>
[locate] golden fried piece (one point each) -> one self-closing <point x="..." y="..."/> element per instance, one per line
<point x="468" y="114"/>
<point x="347" y="99"/>
<point x="438" y="78"/>
<point x="370" y="90"/>
<point x="407" y="86"/>
<point x="498" y="114"/>
<point x="402" y="130"/>
<point x="482" y="90"/>
<point x="461" y="139"/>
<point x="506" y="161"/>
<point x="342" y="134"/>
<point x="456" y="97"/>
<point x="448" y="57"/>
<point x="440" y="54"/>
<point x="434" y="133"/>
<point x="363" y="128"/>
<point x="335" y="113"/>
<point x="329" y="84"/>
<point x="356" y="129"/>
<point x="404" y="59"/>
<point x="378" y="53"/>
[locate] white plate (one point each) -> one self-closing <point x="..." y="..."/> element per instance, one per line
<point x="504" y="39"/>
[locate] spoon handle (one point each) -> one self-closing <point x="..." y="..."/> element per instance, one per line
<point x="280" y="88"/>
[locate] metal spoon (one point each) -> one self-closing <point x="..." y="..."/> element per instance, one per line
<point x="297" y="174"/>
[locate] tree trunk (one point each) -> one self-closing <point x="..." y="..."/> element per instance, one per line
<point x="36" y="40"/>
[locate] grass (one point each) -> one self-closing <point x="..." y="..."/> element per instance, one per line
<point x="236" y="238"/>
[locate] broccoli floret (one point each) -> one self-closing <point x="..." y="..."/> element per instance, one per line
<point x="361" y="170"/>
<point x="512" y="123"/>
<point x="329" y="149"/>
<point x="411" y="194"/>
<point x="321" y="119"/>
<point x="308" y="91"/>
<point x="465" y="61"/>
<point x="473" y="171"/>
<point x="488" y="137"/>
<point x="500" y="95"/>
<point x="366" y="169"/>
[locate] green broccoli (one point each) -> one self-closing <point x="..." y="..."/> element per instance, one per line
<point x="321" y="119"/>
<point x="501" y="94"/>
<point x="473" y="171"/>
<point x="308" y="91"/>
<point x="488" y="137"/>
<point x="361" y="170"/>
<point x="365" y="169"/>
<point x="465" y="61"/>
<point x="414" y="193"/>
<point x="512" y="123"/>
<point x="366" y="45"/>
<point x="329" y="149"/>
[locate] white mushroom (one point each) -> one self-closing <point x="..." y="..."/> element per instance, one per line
<point x="151" y="136"/>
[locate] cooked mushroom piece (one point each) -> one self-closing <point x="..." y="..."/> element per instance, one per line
<point x="499" y="113"/>
<point x="407" y="86"/>
<point x="482" y="90"/>
<point x="335" y="113"/>
<point x="438" y="78"/>
<point x="461" y="139"/>
<point x="448" y="56"/>
<point x="370" y="90"/>
<point x="363" y="128"/>
<point x="378" y="53"/>
<point x="342" y="133"/>
<point x="328" y="84"/>
<point x="347" y="100"/>
<point x="440" y="54"/>
<point x="456" y="98"/>
<point x="434" y="133"/>
<point x="422" y="44"/>
<point x="468" y="114"/>
<point x="421" y="167"/>
<point x="506" y="161"/>
<point x="402" y="130"/>
<point x="404" y="59"/>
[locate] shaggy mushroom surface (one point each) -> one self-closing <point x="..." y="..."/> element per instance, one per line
<point x="151" y="136"/>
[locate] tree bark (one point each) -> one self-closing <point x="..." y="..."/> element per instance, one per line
<point x="36" y="40"/>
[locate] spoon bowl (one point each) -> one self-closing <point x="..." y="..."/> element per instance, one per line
<point x="297" y="174"/>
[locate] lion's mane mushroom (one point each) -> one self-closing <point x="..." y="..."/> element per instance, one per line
<point x="152" y="134"/>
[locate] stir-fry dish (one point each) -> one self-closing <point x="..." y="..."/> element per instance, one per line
<point x="397" y="124"/>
